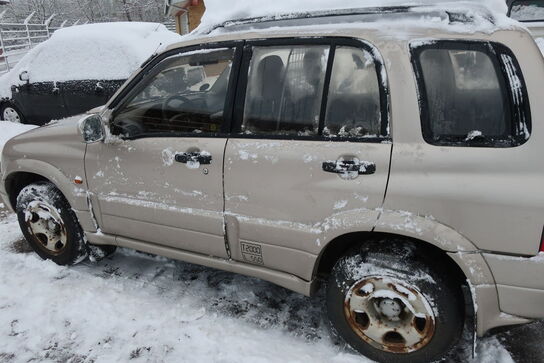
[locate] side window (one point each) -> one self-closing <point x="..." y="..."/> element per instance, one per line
<point x="285" y="90"/>
<point x="353" y="107"/>
<point x="184" y="94"/>
<point x="467" y="98"/>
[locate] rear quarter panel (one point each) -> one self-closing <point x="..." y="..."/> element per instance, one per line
<point x="490" y="197"/>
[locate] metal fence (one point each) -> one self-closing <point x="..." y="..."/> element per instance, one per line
<point x="16" y="39"/>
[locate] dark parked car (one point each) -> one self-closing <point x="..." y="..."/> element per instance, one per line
<point x="76" y="70"/>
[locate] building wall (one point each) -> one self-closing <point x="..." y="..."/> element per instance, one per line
<point x="187" y="21"/>
<point x="195" y="15"/>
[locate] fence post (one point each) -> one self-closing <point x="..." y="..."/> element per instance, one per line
<point x="47" y="23"/>
<point x="27" y="20"/>
<point x="4" y="53"/>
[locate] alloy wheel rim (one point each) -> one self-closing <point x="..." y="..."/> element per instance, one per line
<point x="46" y="226"/>
<point x="389" y="314"/>
<point x="11" y="115"/>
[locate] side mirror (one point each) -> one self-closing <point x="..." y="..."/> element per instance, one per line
<point x="91" y="129"/>
<point x="24" y="76"/>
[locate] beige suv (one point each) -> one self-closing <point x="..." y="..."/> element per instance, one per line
<point x="396" y="155"/>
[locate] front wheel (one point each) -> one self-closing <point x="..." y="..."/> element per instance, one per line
<point x="49" y="224"/>
<point x="11" y="113"/>
<point x="392" y="304"/>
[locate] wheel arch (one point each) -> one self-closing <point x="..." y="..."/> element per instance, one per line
<point x="17" y="181"/>
<point x="340" y="245"/>
<point x="28" y="171"/>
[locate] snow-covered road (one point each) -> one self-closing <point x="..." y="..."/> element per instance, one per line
<point x="129" y="307"/>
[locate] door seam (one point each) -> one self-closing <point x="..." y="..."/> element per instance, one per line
<point x="380" y="210"/>
<point x="225" y="233"/>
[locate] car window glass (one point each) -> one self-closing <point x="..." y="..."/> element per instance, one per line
<point x="186" y="94"/>
<point x="464" y="97"/>
<point x="353" y="107"/>
<point x="532" y="10"/>
<point x="285" y="89"/>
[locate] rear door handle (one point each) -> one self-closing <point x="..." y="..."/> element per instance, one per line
<point x="194" y="157"/>
<point x="349" y="166"/>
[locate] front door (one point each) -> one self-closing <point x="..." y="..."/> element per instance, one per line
<point x="161" y="179"/>
<point x="310" y="159"/>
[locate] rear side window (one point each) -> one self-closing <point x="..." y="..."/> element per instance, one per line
<point x="353" y="108"/>
<point x="471" y="94"/>
<point x="331" y="91"/>
<point x="285" y="89"/>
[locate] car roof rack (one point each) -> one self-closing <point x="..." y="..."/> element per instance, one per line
<point x="350" y="16"/>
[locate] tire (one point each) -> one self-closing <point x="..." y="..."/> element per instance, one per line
<point x="10" y="112"/>
<point x="391" y="303"/>
<point x="50" y="225"/>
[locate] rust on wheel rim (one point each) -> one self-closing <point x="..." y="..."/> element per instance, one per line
<point x="389" y="314"/>
<point x="45" y="225"/>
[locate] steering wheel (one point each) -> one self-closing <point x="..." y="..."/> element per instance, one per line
<point x="168" y="102"/>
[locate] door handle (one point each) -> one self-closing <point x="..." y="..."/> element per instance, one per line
<point x="194" y="157"/>
<point x="349" y="166"/>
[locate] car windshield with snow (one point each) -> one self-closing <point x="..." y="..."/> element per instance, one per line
<point x="391" y="156"/>
<point x="78" y="69"/>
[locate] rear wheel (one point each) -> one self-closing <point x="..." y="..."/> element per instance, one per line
<point x="392" y="304"/>
<point x="11" y="113"/>
<point x="50" y="225"/>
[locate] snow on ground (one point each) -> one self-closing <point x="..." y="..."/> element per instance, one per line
<point x="129" y="307"/>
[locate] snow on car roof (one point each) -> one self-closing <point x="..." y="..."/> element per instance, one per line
<point x="362" y="15"/>
<point x="105" y="51"/>
<point x="221" y="12"/>
<point x="401" y="23"/>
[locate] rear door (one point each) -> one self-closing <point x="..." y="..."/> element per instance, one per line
<point x="310" y="152"/>
<point x="161" y="181"/>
